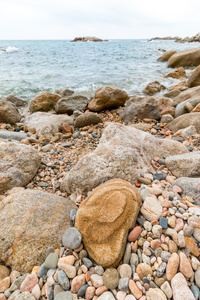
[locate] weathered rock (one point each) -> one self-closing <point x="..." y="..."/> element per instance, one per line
<point x="104" y="219"/>
<point x="151" y="208"/>
<point x="123" y="152"/>
<point x="194" y="79"/>
<point x="166" y="55"/>
<point x="188" y="94"/>
<point x="16" y="101"/>
<point x="190" y="187"/>
<point x="153" y="88"/>
<point x="12" y="135"/>
<point x="86" y="119"/>
<point x="30" y="222"/>
<point x="185" y="58"/>
<point x="156" y="293"/>
<point x="176" y="73"/>
<point x="40" y="120"/>
<point x="107" y="97"/>
<point x="183" y="107"/>
<point x="185" y="121"/>
<point x="77" y="101"/>
<point x="4" y="272"/>
<point x="44" y="102"/>
<point x="186" y="132"/>
<point x="187" y="164"/>
<point x="19" y="164"/>
<point x="64" y="93"/>
<point x="164" y="103"/>
<point x="172" y="94"/>
<point x="146" y="107"/>
<point x="180" y="289"/>
<point x="166" y="118"/>
<point x="9" y="112"/>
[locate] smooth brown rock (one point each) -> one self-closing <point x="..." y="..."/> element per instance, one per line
<point x="107" y="97"/>
<point x="188" y="94"/>
<point x="185" y="58"/>
<point x="86" y="119"/>
<point x="153" y="88"/>
<point x="104" y="219"/>
<point x="4" y="284"/>
<point x="194" y="79"/>
<point x="123" y="152"/>
<point x="185" y="266"/>
<point x="151" y="208"/>
<point x="180" y="289"/>
<point x="137" y="293"/>
<point x="185" y="121"/>
<point x="16" y="101"/>
<point x="176" y="73"/>
<point x="30" y="222"/>
<point x="166" y="55"/>
<point x="192" y="246"/>
<point x="143" y="270"/>
<point x="44" y="102"/>
<point x="19" y="164"/>
<point x="8" y="112"/>
<point x="172" y="266"/>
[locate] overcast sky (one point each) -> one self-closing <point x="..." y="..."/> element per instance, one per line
<point x="111" y="19"/>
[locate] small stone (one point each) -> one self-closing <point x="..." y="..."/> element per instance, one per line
<point x="123" y="284"/>
<point x="100" y="290"/>
<point x="196" y="234"/>
<point x="137" y="293"/>
<point x="166" y="288"/>
<point x="4" y="272"/>
<point x="159" y="281"/>
<point x="159" y="176"/>
<point x="63" y="280"/>
<point x="172" y="266"/>
<point x="177" y="189"/>
<point x="77" y="283"/>
<point x="64" y="296"/>
<point x="125" y="271"/>
<point x="29" y="282"/>
<point x="197" y="277"/>
<point x="155" y="244"/>
<point x="14" y="275"/>
<point x="71" y="238"/>
<point x="69" y="270"/>
<point x="161" y="269"/>
<point x="163" y="222"/>
<point x="111" y="278"/>
<point x="13" y="295"/>
<point x="147" y="225"/>
<point x="192" y="246"/>
<point x="87" y="262"/>
<point x="106" y="296"/>
<point x="179" y="225"/>
<point x="99" y="270"/>
<point x="134" y="259"/>
<point x="143" y="270"/>
<point x="42" y="271"/>
<point x="165" y="256"/>
<point x="82" y="291"/>
<point x="195" y="291"/>
<point x="2" y="297"/>
<point x="131" y="297"/>
<point x="157" y="231"/>
<point x="180" y="288"/>
<point x="151" y="208"/>
<point x="97" y="280"/>
<point x="189" y="230"/>
<point x="90" y="292"/>
<point x="4" y="284"/>
<point x="57" y="289"/>
<point x="25" y="296"/>
<point x="134" y="234"/>
<point x="17" y="283"/>
<point x="51" y="261"/>
<point x="36" y="292"/>
<point x="82" y="254"/>
<point x="155" y="293"/>
<point x="172" y="246"/>
<point x="185" y="266"/>
<point x="127" y="254"/>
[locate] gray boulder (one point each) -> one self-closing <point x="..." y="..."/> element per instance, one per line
<point x="30" y="222"/>
<point x="190" y="187"/>
<point x="11" y="135"/>
<point x="18" y="165"/>
<point x="123" y="152"/>
<point x="17" y="101"/>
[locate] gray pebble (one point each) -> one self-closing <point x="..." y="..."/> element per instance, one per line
<point x="99" y="270"/>
<point x="82" y="254"/>
<point x="51" y="261"/>
<point x="71" y="238"/>
<point x="189" y="230"/>
<point x="42" y="271"/>
<point x="127" y="254"/>
<point x="72" y="214"/>
<point x="161" y="269"/>
<point x="123" y="284"/>
<point x="65" y="145"/>
<point x="64" y="296"/>
<point x="195" y="291"/>
<point x="87" y="262"/>
<point x="49" y="250"/>
<point x="76" y="134"/>
<point x="63" y="280"/>
<point x="144" y="193"/>
<point x="17" y="283"/>
<point x="163" y="222"/>
<point x="153" y="285"/>
<point x="165" y="255"/>
<point x="134" y="259"/>
<point x="82" y="290"/>
<point x="51" y="293"/>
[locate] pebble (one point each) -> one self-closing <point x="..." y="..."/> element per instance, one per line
<point x="192" y="246"/>
<point x="147" y="225"/>
<point x="4" y="284"/>
<point x="87" y="262"/>
<point x="166" y="288"/>
<point x="125" y="271"/>
<point x="77" y="283"/>
<point x="111" y="278"/>
<point x="195" y="291"/>
<point x="64" y="296"/>
<point x="163" y="222"/>
<point x="63" y="280"/>
<point x="134" y="234"/>
<point x="4" y="272"/>
<point x="196" y="234"/>
<point x="17" y="283"/>
<point x="155" y="293"/>
<point x="90" y="292"/>
<point x="134" y="259"/>
<point x="137" y="293"/>
<point x="42" y="271"/>
<point x="161" y="269"/>
<point x="99" y="270"/>
<point x="71" y="238"/>
<point x="157" y="231"/>
<point x="127" y="254"/>
<point x="123" y="284"/>
<point x="36" y="292"/>
<point x="180" y="288"/>
<point x="106" y="296"/>
<point x="51" y="261"/>
<point x="165" y="256"/>
<point x="172" y="266"/>
<point x="197" y="277"/>
<point x="131" y="297"/>
<point x="97" y="280"/>
<point x="81" y="292"/>
<point x="185" y="266"/>
<point x="29" y="282"/>
<point x="189" y="230"/>
<point x="69" y="270"/>
<point x="143" y="270"/>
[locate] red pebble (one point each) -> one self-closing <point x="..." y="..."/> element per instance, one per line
<point x="134" y="234"/>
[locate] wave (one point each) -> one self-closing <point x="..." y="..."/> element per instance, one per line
<point x="11" y="49"/>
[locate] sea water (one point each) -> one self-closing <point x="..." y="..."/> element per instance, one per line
<point x="30" y="67"/>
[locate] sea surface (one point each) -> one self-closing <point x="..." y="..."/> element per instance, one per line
<point x="30" y="67"/>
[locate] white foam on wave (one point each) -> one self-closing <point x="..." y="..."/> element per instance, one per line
<point x="12" y="49"/>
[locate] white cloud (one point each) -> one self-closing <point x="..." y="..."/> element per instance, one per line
<point x="65" y="19"/>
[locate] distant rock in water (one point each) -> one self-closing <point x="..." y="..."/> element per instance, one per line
<point x="88" y="39"/>
<point x="164" y="38"/>
<point x="187" y="39"/>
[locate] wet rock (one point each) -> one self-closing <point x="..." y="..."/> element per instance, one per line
<point x="15" y="100"/>
<point x="153" y="88"/>
<point x="166" y="55"/>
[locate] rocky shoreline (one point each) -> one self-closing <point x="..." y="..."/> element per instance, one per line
<point x="187" y="39"/>
<point x="100" y="194"/>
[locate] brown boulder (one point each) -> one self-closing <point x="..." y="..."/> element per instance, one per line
<point x="104" y="219"/>
<point x="176" y="73"/>
<point x="194" y="79"/>
<point x="16" y="101"/>
<point x="123" y="152"/>
<point x="9" y="112"/>
<point x="185" y="58"/>
<point x="184" y="121"/>
<point x="166" y="55"/>
<point x="153" y="88"/>
<point x="181" y="86"/>
<point x="18" y="165"/>
<point x="146" y="107"/>
<point x="107" y="97"/>
<point x="164" y="103"/>
<point x="44" y="102"/>
<point x="189" y="93"/>
<point x="86" y="119"/>
<point x="30" y="222"/>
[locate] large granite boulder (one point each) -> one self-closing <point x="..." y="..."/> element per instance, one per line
<point x="185" y="121"/>
<point x="77" y="101"/>
<point x="194" y="79"/>
<point x="40" y="120"/>
<point x="153" y="88"/>
<point x="183" y="107"/>
<point x="30" y="222"/>
<point x="187" y="164"/>
<point x="189" y="93"/>
<point x="185" y="58"/>
<point x="107" y="97"/>
<point x="123" y="152"/>
<point x="166" y="55"/>
<point x="146" y="107"/>
<point x="104" y="219"/>
<point x="15" y="100"/>
<point x="190" y="187"/>
<point x="44" y="102"/>
<point x="18" y="165"/>
<point x="8" y="112"/>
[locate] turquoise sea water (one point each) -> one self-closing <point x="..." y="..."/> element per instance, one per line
<point x="30" y="67"/>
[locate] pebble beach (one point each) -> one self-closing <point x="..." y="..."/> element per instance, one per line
<point x="99" y="193"/>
